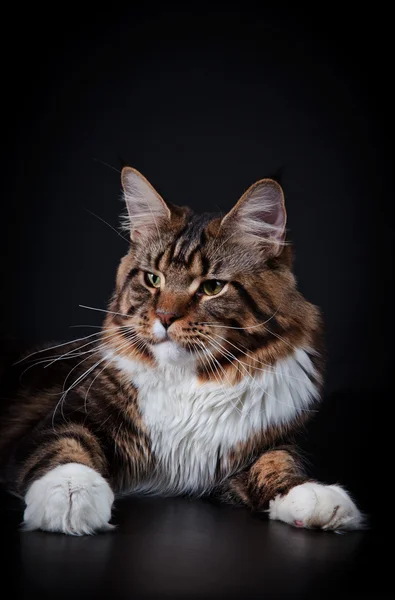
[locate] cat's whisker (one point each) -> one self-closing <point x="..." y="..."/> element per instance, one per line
<point x="234" y="358"/>
<point x="218" y="379"/>
<point x="268" y="367"/>
<point x="54" y="347"/>
<point x="65" y="392"/>
<point x="71" y="371"/>
<point x="80" y="379"/>
<point x="209" y="364"/>
<point x="106" y="223"/>
<point x="73" y="353"/>
<point x="102" y="162"/>
<point x="90" y="354"/>
<point x="79" y="348"/>
<point x="226" y="354"/>
<point x="219" y="326"/>
<point x="230" y="360"/>
<point x="278" y="336"/>
<point x="214" y="324"/>
<point x="91" y="326"/>
<point x="110" y="312"/>
<point x="46" y="360"/>
<point x="100" y="327"/>
<point x="210" y="354"/>
<point x="94" y="379"/>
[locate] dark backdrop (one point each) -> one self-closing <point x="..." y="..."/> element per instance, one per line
<point x="204" y="100"/>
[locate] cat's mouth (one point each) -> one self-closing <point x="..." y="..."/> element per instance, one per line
<point x="164" y="338"/>
<point x="161" y="334"/>
<point x="162" y="341"/>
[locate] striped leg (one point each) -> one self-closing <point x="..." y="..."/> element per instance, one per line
<point x="277" y="483"/>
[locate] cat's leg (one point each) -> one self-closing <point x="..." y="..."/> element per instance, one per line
<point x="276" y="483"/>
<point x="63" y="482"/>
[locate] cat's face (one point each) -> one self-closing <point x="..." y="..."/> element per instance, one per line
<point x="213" y="291"/>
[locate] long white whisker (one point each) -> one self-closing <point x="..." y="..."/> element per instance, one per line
<point x="98" y="349"/>
<point x="79" y="348"/>
<point x="65" y="392"/>
<point x="105" y="164"/>
<point x="93" y="326"/>
<point x="268" y="367"/>
<point x="57" y="346"/>
<point x="73" y="353"/>
<point x="79" y="379"/>
<point x="110" y="312"/>
<point x="213" y="341"/>
<point x="101" y="371"/>
<point x="90" y="385"/>
<point x="110" y="226"/>
<point x="218" y="379"/>
<point x="46" y="360"/>
<point x="213" y="324"/>
<point x="282" y="339"/>
<point x="216" y="362"/>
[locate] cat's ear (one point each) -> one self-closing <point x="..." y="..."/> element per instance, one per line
<point x="146" y="208"/>
<point x="259" y="217"/>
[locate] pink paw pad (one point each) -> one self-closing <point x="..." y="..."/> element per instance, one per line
<point x="298" y="523"/>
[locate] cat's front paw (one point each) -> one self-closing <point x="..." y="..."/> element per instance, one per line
<point x="71" y="499"/>
<point x="313" y="505"/>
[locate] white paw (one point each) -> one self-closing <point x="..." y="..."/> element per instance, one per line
<point x="313" y="505"/>
<point x="71" y="499"/>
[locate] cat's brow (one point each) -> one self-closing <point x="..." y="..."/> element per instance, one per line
<point x="194" y="261"/>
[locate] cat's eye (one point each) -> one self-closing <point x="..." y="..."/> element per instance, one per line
<point x="212" y="287"/>
<point x="152" y="280"/>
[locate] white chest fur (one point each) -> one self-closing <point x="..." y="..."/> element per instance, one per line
<point x="194" y="425"/>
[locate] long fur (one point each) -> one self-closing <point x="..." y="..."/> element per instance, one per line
<point x="208" y="359"/>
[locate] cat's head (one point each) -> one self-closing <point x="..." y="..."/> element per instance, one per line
<point x="215" y="291"/>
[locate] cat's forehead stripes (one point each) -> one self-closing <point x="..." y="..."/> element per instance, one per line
<point x="188" y="248"/>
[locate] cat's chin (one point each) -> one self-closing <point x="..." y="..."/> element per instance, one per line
<point x="169" y="352"/>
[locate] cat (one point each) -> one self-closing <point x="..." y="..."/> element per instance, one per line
<point x="208" y="360"/>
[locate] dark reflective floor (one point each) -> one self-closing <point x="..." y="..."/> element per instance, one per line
<point x="180" y="548"/>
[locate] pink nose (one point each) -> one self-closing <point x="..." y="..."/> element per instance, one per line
<point x="167" y="318"/>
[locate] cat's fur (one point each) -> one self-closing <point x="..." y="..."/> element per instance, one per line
<point x="181" y="392"/>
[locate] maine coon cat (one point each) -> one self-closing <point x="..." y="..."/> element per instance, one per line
<point x="208" y="359"/>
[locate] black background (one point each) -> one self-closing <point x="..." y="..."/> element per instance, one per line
<point x="204" y="100"/>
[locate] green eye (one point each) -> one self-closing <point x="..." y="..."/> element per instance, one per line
<point x="212" y="287"/>
<point x="152" y="280"/>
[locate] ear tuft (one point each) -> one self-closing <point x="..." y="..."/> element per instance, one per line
<point x="259" y="217"/>
<point x="146" y="208"/>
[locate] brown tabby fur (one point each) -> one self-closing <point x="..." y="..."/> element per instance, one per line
<point x="98" y="422"/>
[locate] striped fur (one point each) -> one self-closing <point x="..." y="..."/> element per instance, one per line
<point x="195" y="407"/>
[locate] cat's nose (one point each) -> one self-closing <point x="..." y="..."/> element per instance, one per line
<point x="167" y="318"/>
